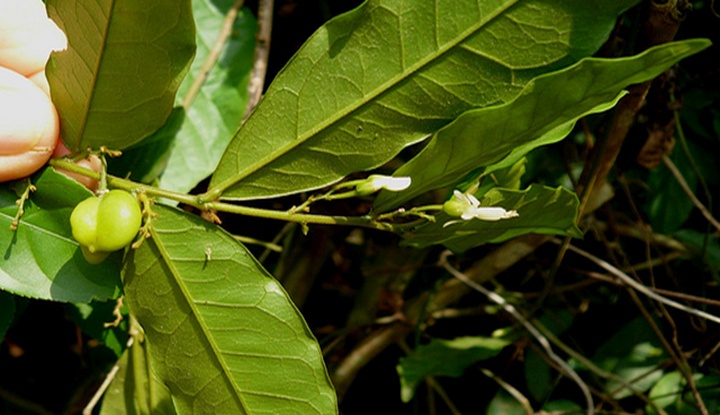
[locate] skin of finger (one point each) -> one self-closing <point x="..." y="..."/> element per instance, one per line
<point x="29" y="126"/>
<point x="92" y="162"/>
<point x="27" y="36"/>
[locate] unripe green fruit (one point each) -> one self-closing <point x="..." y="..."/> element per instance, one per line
<point x="93" y="257"/>
<point x="118" y="220"/>
<point x="105" y="224"/>
<point x="83" y="222"/>
<point x="454" y="208"/>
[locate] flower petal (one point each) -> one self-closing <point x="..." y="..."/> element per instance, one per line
<point x="494" y="213"/>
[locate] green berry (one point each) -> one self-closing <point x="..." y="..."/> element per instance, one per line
<point x="83" y="222"/>
<point x="105" y="224"/>
<point x="118" y="220"/>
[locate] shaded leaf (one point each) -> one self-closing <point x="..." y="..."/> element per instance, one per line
<point x="507" y="177"/>
<point x="217" y="111"/>
<point x="444" y="358"/>
<point x="116" y="82"/>
<point x="672" y="394"/>
<point x="703" y="245"/>
<point x="41" y="259"/>
<point x="670" y="206"/>
<point x="135" y="390"/>
<point x="145" y="161"/>
<point x="631" y="353"/>
<point x="387" y="74"/>
<point x="541" y="210"/>
<point x="224" y="335"/>
<point x="505" y="404"/>
<point x="538" y="376"/>
<point x="545" y="112"/>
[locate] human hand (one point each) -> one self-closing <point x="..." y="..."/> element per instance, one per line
<point x="29" y="125"/>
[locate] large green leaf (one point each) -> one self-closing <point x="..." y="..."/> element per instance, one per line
<point x="544" y="112"/>
<point x="217" y="111"/>
<point x="116" y="82"/>
<point x="541" y="210"/>
<point x="41" y="259"/>
<point x="387" y="74"/>
<point x="444" y="358"/>
<point x="225" y="337"/>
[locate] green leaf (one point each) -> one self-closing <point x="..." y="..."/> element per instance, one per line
<point x="444" y="358"/>
<point x="541" y="210"/>
<point x="672" y="394"/>
<point x="544" y="112"/>
<point x="538" y="376"/>
<point x="705" y="246"/>
<point x="135" y="390"/>
<point x="505" y="404"/>
<point x="508" y="177"/>
<point x="145" y="161"/>
<point x="116" y="82"/>
<point x="387" y="74"/>
<point x="7" y="311"/>
<point x="670" y="206"/>
<point x="41" y="259"/>
<point x="217" y="111"/>
<point x="223" y="333"/>
<point x="631" y="353"/>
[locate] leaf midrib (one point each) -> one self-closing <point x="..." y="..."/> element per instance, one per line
<point x="197" y="315"/>
<point x="339" y="115"/>
<point x="98" y="64"/>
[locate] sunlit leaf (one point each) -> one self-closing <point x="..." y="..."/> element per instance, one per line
<point x="41" y="259"/>
<point x="223" y="333"/>
<point x="384" y="76"/>
<point x="444" y="358"/>
<point x="544" y="112"/>
<point x="116" y="82"/>
<point x="541" y="210"/>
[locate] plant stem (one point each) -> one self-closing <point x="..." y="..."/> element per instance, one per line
<point x="197" y="202"/>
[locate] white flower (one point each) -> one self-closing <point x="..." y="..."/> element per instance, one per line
<point x="376" y="182"/>
<point x="467" y="207"/>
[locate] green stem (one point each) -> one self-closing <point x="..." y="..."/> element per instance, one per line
<point x="197" y="202"/>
